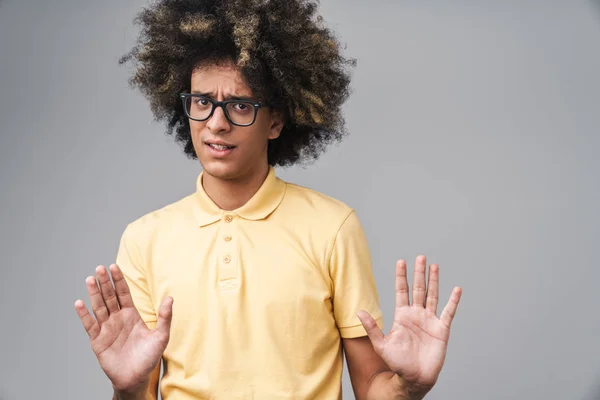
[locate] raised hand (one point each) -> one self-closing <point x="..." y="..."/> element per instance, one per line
<point x="126" y="349"/>
<point x="415" y="347"/>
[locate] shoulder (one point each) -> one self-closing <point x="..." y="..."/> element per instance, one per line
<point x="315" y="207"/>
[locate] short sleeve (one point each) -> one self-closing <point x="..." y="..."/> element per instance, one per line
<point x="131" y="264"/>
<point x="354" y="287"/>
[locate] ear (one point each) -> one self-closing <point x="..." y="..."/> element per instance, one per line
<point x="276" y="124"/>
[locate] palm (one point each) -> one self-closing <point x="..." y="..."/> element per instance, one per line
<point x="126" y="349"/>
<point x="415" y="347"/>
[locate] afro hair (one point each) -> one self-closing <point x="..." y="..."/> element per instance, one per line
<point x="288" y="58"/>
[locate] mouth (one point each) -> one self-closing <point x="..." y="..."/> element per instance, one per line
<point x="219" y="149"/>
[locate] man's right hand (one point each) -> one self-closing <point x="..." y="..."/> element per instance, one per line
<point x="127" y="350"/>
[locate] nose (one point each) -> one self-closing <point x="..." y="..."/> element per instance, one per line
<point x="218" y="122"/>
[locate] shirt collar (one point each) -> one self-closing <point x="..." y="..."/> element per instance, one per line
<point x="262" y="204"/>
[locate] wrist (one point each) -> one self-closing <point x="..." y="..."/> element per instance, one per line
<point x="406" y="391"/>
<point x="389" y="385"/>
<point x="136" y="393"/>
<point x="120" y="395"/>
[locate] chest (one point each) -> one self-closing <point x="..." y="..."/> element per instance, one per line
<point x="244" y="295"/>
<point x="225" y="268"/>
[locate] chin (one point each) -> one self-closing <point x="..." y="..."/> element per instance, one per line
<point x="220" y="170"/>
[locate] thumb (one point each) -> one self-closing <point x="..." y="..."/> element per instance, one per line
<point x="165" y="315"/>
<point x="374" y="332"/>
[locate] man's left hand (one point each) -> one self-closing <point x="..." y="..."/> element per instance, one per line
<point x="415" y="348"/>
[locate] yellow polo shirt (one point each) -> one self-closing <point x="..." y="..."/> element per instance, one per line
<point x="262" y="294"/>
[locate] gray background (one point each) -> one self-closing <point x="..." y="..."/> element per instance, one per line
<point x="474" y="140"/>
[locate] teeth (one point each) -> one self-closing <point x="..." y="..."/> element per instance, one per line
<point x="220" y="146"/>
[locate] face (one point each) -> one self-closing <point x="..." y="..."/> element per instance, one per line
<point x="227" y="151"/>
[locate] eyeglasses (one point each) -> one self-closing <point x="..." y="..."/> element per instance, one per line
<point x="237" y="112"/>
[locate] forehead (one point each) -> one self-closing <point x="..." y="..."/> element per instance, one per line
<point x="222" y="78"/>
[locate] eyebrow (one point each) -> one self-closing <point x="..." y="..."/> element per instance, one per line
<point x="231" y="97"/>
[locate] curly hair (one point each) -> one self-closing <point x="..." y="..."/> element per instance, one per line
<point x="288" y="58"/>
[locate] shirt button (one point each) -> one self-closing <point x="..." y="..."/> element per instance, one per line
<point x="227" y="238"/>
<point x="228" y="218"/>
<point x="226" y="259"/>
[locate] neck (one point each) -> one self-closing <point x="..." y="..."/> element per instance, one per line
<point x="230" y="194"/>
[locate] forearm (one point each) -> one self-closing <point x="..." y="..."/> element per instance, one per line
<point x="389" y="386"/>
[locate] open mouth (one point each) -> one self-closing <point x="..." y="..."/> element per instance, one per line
<point x="220" y="150"/>
<point x="220" y="147"/>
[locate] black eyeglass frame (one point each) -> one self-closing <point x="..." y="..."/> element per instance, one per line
<point x="223" y="104"/>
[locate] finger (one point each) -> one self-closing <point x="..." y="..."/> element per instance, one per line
<point x="373" y="331"/>
<point x="450" y="309"/>
<point x="165" y="315"/>
<point x="402" y="298"/>
<point x="89" y="323"/>
<point x="432" y="288"/>
<point x="419" y="282"/>
<point x="107" y="290"/>
<point x="121" y="287"/>
<point x="98" y="307"/>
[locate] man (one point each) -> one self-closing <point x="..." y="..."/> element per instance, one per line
<point x="252" y="287"/>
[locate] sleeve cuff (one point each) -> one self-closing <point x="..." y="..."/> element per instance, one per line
<point x="349" y="332"/>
